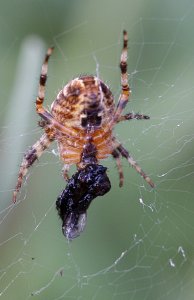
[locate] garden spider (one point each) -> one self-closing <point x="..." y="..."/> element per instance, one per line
<point x="81" y="120"/>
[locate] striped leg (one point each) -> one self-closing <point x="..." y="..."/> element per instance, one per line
<point x="42" y="82"/>
<point x="125" y="93"/>
<point x="44" y="114"/>
<point x="29" y="158"/>
<point x="132" y="162"/>
<point x="116" y="155"/>
<point x="131" y="116"/>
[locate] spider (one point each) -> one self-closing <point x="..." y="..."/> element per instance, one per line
<point x="81" y="120"/>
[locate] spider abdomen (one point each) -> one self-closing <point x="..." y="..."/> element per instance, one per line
<point x="84" y="102"/>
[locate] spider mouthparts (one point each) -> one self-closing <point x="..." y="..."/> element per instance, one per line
<point x="84" y="186"/>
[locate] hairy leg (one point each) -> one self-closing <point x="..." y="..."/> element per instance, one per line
<point x="132" y="162"/>
<point x="131" y="116"/>
<point x="29" y="158"/>
<point x="43" y="113"/>
<point x="116" y="155"/>
<point x="125" y="92"/>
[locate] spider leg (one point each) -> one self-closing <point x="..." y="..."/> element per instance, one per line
<point x="133" y="163"/>
<point x="131" y="116"/>
<point x="29" y="158"/>
<point x="47" y="116"/>
<point x="65" y="172"/>
<point x="44" y="114"/>
<point x="42" y="80"/>
<point x="116" y="156"/>
<point x="126" y="91"/>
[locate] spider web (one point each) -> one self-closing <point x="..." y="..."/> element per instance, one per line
<point x="138" y="243"/>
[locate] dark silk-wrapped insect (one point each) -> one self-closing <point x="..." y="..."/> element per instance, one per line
<point x="83" y="187"/>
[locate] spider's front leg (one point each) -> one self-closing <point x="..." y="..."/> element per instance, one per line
<point x="43" y="113"/>
<point x="29" y="158"/>
<point x="126" y="91"/>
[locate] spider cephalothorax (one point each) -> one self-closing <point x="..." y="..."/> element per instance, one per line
<point x="81" y="120"/>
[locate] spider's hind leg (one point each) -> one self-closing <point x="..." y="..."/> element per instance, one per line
<point x="29" y="158"/>
<point x="116" y="155"/>
<point x="132" y="162"/>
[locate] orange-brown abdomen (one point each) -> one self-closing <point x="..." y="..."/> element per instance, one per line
<point x="86" y="105"/>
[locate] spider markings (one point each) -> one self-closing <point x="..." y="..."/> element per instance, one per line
<point x="83" y="106"/>
<point x="81" y="120"/>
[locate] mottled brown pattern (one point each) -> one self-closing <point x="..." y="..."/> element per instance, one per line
<point x="83" y="96"/>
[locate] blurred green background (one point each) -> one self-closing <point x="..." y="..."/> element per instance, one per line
<point x="138" y="244"/>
